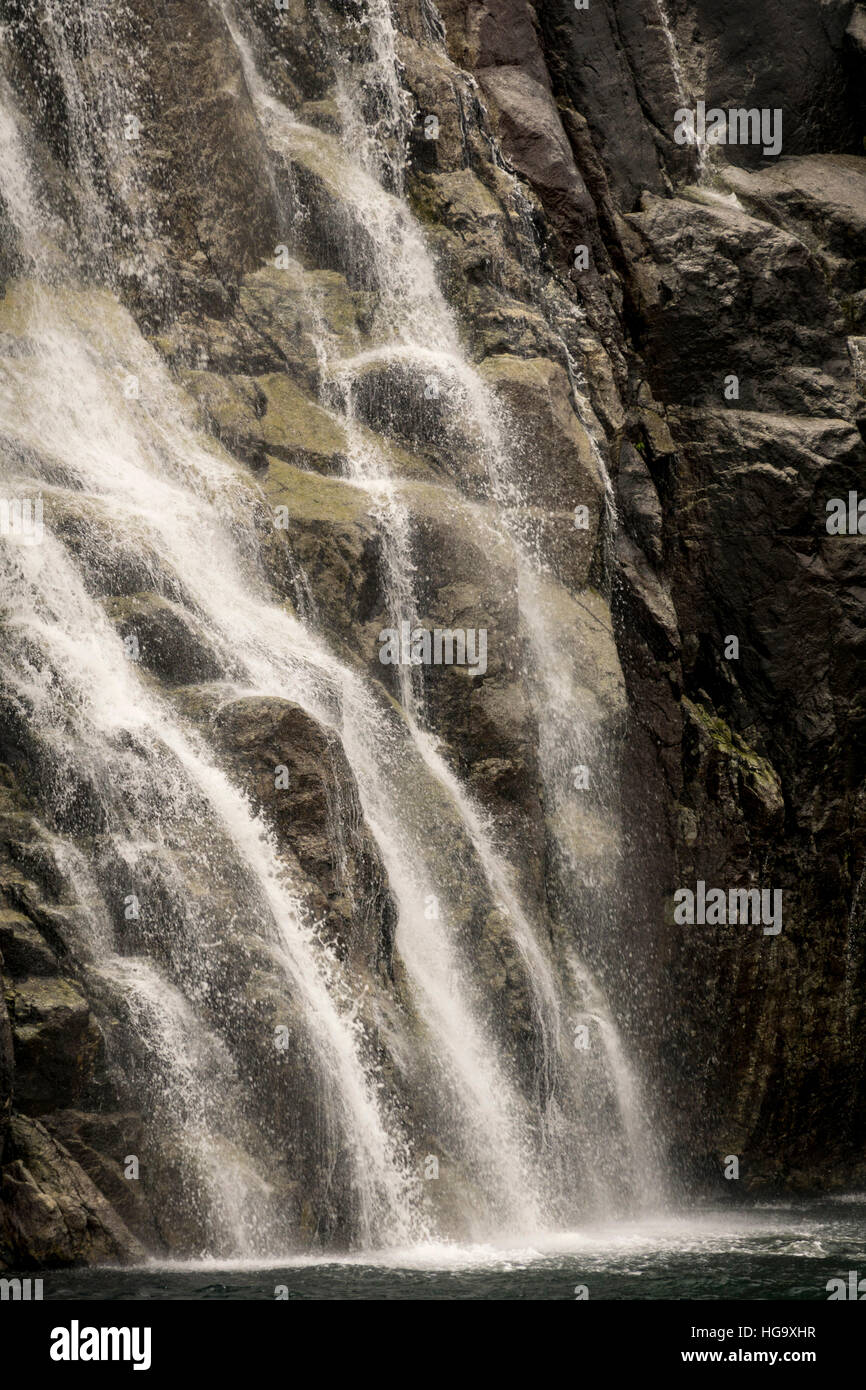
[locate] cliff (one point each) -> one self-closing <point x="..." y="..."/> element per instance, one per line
<point x="427" y="318"/>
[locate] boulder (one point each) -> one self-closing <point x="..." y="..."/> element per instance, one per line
<point x="745" y="296"/>
<point x="57" y="1041"/>
<point x="552" y="456"/>
<point x="51" y="1214"/>
<point x="170" y="642"/>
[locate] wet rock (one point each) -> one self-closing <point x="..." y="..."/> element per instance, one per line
<point x="745" y="296"/>
<point x="554" y="463"/>
<point x="111" y="561"/>
<point x="7" y="1065"/>
<point x="51" y="1213"/>
<point x="331" y="528"/>
<point x="424" y="409"/>
<point x="296" y="429"/>
<point x="740" y="782"/>
<point x="56" y="1040"/>
<point x="536" y="142"/>
<point x="331" y="232"/>
<point x="470" y="584"/>
<point x="751" y="559"/>
<point x="240" y="251"/>
<point x="169" y="642"/>
<point x="24" y="949"/>
<point x="640" y="502"/>
<point x="101" y="1144"/>
<point x="613" y="66"/>
<point x="297" y="773"/>
<point x="799" y="60"/>
<point x="646" y="601"/>
<point x="232" y="408"/>
<point x="822" y="199"/>
<point x="291" y="307"/>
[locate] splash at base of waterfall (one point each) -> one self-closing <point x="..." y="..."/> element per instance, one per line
<point x="783" y="1252"/>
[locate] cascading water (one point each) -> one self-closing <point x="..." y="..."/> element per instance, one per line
<point x="415" y="331"/>
<point x="195" y="909"/>
<point x="702" y="149"/>
<point x="83" y="665"/>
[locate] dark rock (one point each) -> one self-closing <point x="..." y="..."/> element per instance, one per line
<point x="640" y="502"/>
<point x="101" y="1145"/>
<point x="23" y="948"/>
<point x="317" y="818"/>
<point x="51" y="1213"/>
<point x="7" y="1066"/>
<point x="56" y="1040"/>
<point x="743" y="297"/>
<point x="169" y="641"/>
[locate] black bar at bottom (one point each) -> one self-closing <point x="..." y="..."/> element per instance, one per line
<point x="59" y="1339"/>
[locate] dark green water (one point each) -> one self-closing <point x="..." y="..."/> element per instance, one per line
<point x="768" y="1252"/>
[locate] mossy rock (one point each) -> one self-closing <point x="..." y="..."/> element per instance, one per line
<point x="295" y="305"/>
<point x="56" y="1039"/>
<point x="232" y="407"/>
<point x="555" y="464"/>
<point x="295" y="428"/>
<point x="758" y="785"/>
<point x="332" y="533"/>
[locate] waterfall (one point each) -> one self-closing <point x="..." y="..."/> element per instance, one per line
<point x="201" y="938"/>
<point x="76" y="640"/>
<point x="416" y="331"/>
<point x="682" y="90"/>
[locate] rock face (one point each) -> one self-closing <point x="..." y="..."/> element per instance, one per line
<point x="299" y="776"/>
<point x="757" y="275"/>
<point x="52" y="1214"/>
<point x="662" y="386"/>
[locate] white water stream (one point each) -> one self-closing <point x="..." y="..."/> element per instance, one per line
<point x="141" y="484"/>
